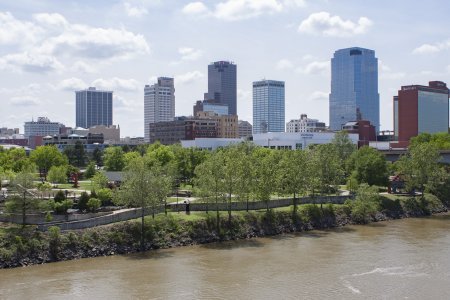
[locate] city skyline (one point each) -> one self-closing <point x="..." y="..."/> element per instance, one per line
<point x="50" y="50"/>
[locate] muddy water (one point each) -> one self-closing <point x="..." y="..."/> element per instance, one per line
<point x="403" y="259"/>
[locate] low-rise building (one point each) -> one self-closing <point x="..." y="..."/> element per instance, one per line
<point x="245" y="129"/>
<point x="111" y="134"/>
<point x="305" y="124"/>
<point x="42" y="127"/>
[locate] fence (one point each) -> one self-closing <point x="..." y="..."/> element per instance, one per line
<point x="134" y="213"/>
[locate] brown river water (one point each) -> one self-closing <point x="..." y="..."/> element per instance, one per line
<point x="402" y="259"/>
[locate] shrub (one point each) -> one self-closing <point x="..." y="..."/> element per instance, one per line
<point x="54" y="241"/>
<point x="83" y="201"/>
<point x="62" y="207"/>
<point x="60" y="196"/>
<point x="105" y="196"/>
<point x="93" y="204"/>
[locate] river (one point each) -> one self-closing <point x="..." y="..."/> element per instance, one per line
<point x="402" y="259"/>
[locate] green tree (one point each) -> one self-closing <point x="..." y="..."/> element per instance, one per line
<point x="99" y="181"/>
<point x="343" y="145"/>
<point x="90" y="170"/>
<point x="76" y="154"/>
<point x="46" y="157"/>
<point x="266" y="168"/>
<point x="366" y="203"/>
<point x="420" y="167"/>
<point x="24" y="201"/>
<point x="245" y="171"/>
<point x="114" y="159"/>
<point x="209" y="181"/>
<point x="105" y="196"/>
<point x="57" y="174"/>
<point x="143" y="187"/>
<point x="293" y="174"/>
<point x="440" y="140"/>
<point x="97" y="156"/>
<point x="369" y="166"/>
<point x="325" y="169"/>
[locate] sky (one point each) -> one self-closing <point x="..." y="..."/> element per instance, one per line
<point x="49" y="49"/>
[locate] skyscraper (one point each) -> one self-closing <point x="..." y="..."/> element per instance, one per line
<point x="222" y="84"/>
<point x="93" y="107"/>
<point x="268" y="106"/>
<point x="159" y="103"/>
<point x="354" y="87"/>
<point x="421" y="109"/>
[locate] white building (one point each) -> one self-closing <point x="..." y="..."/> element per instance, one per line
<point x="42" y="127"/>
<point x="111" y="134"/>
<point x="304" y="124"/>
<point x="159" y="103"/>
<point x="273" y="140"/>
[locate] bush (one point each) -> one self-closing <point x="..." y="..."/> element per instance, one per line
<point x="105" y="196"/>
<point x="54" y="241"/>
<point x="62" y="207"/>
<point x="83" y="201"/>
<point x="94" y="204"/>
<point x="60" y="196"/>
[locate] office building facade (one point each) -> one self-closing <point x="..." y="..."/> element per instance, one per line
<point x="268" y="106"/>
<point x="222" y="84"/>
<point x="159" y="103"/>
<point x="42" y="127"/>
<point x="93" y="107"/>
<point x="421" y="109"/>
<point x="354" y="87"/>
<point x="305" y="124"/>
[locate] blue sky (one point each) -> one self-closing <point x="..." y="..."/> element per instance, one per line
<point x="49" y="49"/>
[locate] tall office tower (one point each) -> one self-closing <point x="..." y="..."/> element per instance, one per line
<point x="419" y="109"/>
<point x="222" y="84"/>
<point x="354" y="87"/>
<point x="268" y="106"/>
<point x="159" y="103"/>
<point x="94" y="107"/>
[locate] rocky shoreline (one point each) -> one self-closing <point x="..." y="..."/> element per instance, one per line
<point x="32" y="247"/>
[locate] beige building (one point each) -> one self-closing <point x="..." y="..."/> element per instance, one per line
<point x="227" y="125"/>
<point x="111" y="134"/>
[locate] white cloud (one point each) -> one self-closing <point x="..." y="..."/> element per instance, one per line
<point x="24" y="101"/>
<point x="448" y="68"/>
<point x="190" y="53"/>
<point x="315" y="67"/>
<point x="115" y="84"/>
<point x="318" y="96"/>
<point x="30" y="62"/>
<point x="189" y="77"/>
<point x="284" y="64"/>
<point x="134" y="11"/>
<point x="233" y="10"/>
<point x="122" y="104"/>
<point x="428" y="48"/>
<point x="53" y="21"/>
<point x="50" y="37"/>
<point x="328" y="25"/>
<point x="392" y="75"/>
<point x="195" y="8"/>
<point x="14" y="31"/>
<point x="81" y="66"/>
<point x="72" y="84"/>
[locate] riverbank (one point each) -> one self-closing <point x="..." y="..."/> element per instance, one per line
<point x="26" y="246"/>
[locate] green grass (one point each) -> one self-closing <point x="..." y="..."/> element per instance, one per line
<point x="83" y="185"/>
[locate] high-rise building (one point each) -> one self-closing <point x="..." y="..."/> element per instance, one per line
<point x="354" y="87"/>
<point x="305" y="124"/>
<point x="419" y="109"/>
<point x="222" y="84"/>
<point x="94" y="107"/>
<point x="268" y="106"/>
<point x="212" y="106"/>
<point x="159" y="103"/>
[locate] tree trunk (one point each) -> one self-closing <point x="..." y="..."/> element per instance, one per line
<point x="142" y="228"/>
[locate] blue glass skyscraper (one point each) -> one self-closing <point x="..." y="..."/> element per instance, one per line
<point x="93" y="107"/>
<point x="354" y="87"/>
<point x="268" y="106"/>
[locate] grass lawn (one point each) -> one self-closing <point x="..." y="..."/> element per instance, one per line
<point x="82" y="185"/>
